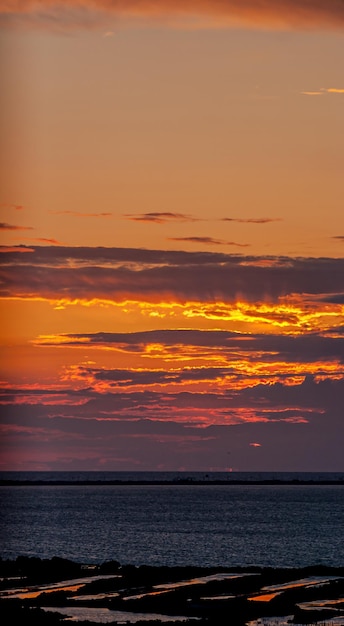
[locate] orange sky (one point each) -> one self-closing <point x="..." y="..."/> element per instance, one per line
<point x="172" y="234"/>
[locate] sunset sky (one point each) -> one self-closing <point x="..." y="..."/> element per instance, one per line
<point x="172" y="230"/>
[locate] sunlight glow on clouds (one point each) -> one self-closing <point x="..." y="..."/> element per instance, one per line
<point x="323" y="91"/>
<point x="282" y="14"/>
<point x="182" y="153"/>
<point x="290" y="295"/>
<point x="159" y="217"/>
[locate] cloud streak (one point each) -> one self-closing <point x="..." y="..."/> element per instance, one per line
<point x="323" y="91"/>
<point x="281" y="14"/>
<point x="16" y="207"/>
<point x="253" y="220"/>
<point x="47" y="240"/>
<point x="160" y="217"/>
<point x="295" y="348"/>
<point x="6" y="226"/>
<point x="80" y="214"/>
<point x="334" y="90"/>
<point x="208" y="241"/>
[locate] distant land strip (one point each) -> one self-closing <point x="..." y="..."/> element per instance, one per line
<point x="160" y="482"/>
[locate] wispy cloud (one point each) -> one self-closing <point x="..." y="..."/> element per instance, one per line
<point x="160" y="217"/>
<point x="80" y="214"/>
<point x="208" y="241"/>
<point x="252" y="220"/>
<point x="323" y="91"/>
<point x="6" y="226"/>
<point x="47" y="240"/>
<point x="17" y="207"/>
<point x="282" y="14"/>
<point x="334" y="90"/>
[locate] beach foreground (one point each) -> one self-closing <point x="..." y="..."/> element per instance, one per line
<point x="41" y="591"/>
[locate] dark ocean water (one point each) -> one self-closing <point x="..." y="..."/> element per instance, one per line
<point x="206" y="525"/>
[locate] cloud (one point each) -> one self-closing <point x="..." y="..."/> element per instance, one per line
<point x="282" y="350"/>
<point x="334" y="90"/>
<point x="17" y="207"/>
<point x="116" y="274"/>
<point x="48" y="240"/>
<point x="281" y="14"/>
<point x="80" y="214"/>
<point x="323" y="91"/>
<point x="312" y="93"/>
<point x="340" y="237"/>
<point x="167" y="337"/>
<point x="146" y="445"/>
<point x="304" y="403"/>
<point x="208" y="241"/>
<point x="6" y="226"/>
<point x="160" y="217"/>
<point x="253" y="220"/>
<point x="260" y="402"/>
<point x="130" y="378"/>
<point x="297" y="426"/>
<point x="338" y="331"/>
<point x="335" y="298"/>
<point x="16" y="249"/>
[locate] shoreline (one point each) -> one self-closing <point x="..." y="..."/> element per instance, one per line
<point x="51" y="589"/>
<point x="160" y="482"/>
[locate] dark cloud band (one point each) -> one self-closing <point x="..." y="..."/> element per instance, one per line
<point x="154" y="275"/>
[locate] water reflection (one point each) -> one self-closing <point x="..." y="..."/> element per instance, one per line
<point x="314" y="604"/>
<point x="287" y="620"/>
<point x="266" y="597"/>
<point x="105" y="616"/>
<point x="67" y="585"/>
<point x="302" y="582"/>
<point x="201" y="580"/>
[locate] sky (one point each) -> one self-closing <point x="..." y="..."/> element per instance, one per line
<point x="172" y="230"/>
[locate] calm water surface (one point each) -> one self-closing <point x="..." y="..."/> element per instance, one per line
<point x="206" y="525"/>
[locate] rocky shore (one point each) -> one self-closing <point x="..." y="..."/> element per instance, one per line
<point x="51" y="591"/>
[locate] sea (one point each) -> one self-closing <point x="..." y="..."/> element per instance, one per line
<point x="215" y="519"/>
